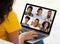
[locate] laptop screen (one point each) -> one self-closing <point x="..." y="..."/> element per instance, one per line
<point x="38" y="18"/>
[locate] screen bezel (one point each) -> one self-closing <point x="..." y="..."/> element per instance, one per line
<point x="43" y="8"/>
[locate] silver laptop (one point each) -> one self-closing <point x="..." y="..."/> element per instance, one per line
<point x="39" y="19"/>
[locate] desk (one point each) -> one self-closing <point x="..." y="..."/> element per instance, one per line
<point x="4" y="42"/>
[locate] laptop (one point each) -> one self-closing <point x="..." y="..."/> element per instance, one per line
<point x="39" y="19"/>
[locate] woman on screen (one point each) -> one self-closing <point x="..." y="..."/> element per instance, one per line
<point x="45" y="26"/>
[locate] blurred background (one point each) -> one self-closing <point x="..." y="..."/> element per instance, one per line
<point x="54" y="37"/>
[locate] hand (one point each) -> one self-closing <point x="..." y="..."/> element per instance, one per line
<point x="28" y="35"/>
<point x="20" y="31"/>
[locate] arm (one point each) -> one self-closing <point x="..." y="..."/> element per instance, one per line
<point x="12" y="28"/>
<point x="14" y="37"/>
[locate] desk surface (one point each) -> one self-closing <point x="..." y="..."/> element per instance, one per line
<point x="4" y="42"/>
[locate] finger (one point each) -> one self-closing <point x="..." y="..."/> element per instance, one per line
<point x="35" y="35"/>
<point x="34" y="32"/>
<point x="30" y="38"/>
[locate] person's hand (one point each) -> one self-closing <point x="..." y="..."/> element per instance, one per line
<point x="20" y="31"/>
<point x="28" y="35"/>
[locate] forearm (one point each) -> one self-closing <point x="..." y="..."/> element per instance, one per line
<point x="14" y="37"/>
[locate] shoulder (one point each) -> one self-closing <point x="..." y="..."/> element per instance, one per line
<point x="12" y="15"/>
<point x="34" y="15"/>
<point x="25" y="13"/>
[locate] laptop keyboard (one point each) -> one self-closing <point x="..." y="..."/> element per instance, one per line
<point x="36" y="38"/>
<point x="25" y="29"/>
<point x="39" y="35"/>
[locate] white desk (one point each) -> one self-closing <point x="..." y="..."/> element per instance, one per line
<point x="4" y="42"/>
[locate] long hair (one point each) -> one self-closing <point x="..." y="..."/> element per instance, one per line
<point x="5" y="8"/>
<point x="45" y="23"/>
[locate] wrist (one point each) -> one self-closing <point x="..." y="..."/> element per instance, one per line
<point x="21" y="39"/>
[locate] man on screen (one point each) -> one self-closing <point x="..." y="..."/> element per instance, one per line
<point x="29" y="11"/>
<point x="48" y="17"/>
<point x="38" y="14"/>
<point x="35" y="24"/>
<point x="26" y="21"/>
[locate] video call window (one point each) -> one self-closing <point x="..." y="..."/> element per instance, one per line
<point x="37" y="18"/>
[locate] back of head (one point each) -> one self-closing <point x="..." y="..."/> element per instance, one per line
<point x="5" y="8"/>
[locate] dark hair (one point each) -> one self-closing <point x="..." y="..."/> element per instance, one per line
<point x="27" y="17"/>
<point x="44" y="24"/>
<point x="37" y="19"/>
<point x="30" y="7"/>
<point x="49" y="11"/>
<point x="5" y="8"/>
<point x="39" y="9"/>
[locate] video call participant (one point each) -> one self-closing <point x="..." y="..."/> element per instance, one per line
<point x="26" y="21"/>
<point x="38" y="14"/>
<point x="29" y="11"/>
<point x="35" y="24"/>
<point x="45" y="26"/>
<point x="48" y="17"/>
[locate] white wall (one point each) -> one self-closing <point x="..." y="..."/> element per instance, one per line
<point x="54" y="37"/>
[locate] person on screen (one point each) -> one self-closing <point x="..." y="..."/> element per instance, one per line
<point x="48" y="17"/>
<point x="38" y="14"/>
<point x="26" y="21"/>
<point x="29" y="11"/>
<point x="45" y="26"/>
<point x="35" y="24"/>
